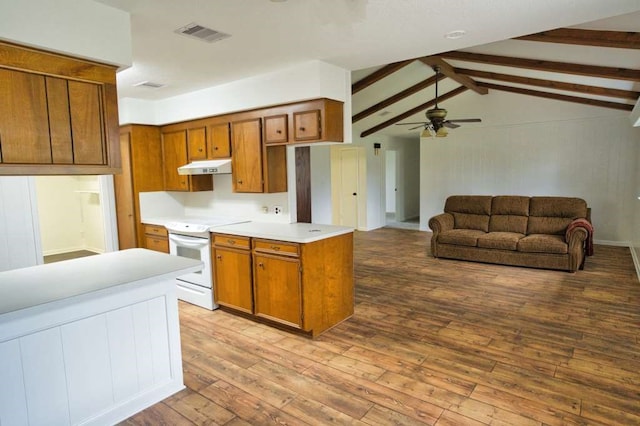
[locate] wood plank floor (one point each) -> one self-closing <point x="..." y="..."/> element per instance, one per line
<point x="432" y="341"/>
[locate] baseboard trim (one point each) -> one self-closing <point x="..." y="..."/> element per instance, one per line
<point x="613" y="243"/>
<point x="636" y="261"/>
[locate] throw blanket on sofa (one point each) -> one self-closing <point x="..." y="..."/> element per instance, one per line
<point x="588" y="249"/>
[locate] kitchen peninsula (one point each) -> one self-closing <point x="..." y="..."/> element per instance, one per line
<point x="90" y="340"/>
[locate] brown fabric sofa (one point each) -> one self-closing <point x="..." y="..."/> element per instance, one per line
<point x="513" y="230"/>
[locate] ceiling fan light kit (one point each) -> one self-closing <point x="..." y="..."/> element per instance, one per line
<point x="436" y="118"/>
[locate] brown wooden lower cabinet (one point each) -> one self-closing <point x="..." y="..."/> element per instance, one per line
<point x="232" y="269"/>
<point x="306" y="286"/>
<point x="156" y="238"/>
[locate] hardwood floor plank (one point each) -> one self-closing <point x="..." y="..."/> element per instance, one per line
<point x="249" y="407"/>
<point x="432" y="341"/>
<point x="326" y="394"/>
<point x="201" y="410"/>
<point x="378" y="394"/>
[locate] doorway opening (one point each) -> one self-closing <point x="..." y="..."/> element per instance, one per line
<point x="71" y="215"/>
<point x="401" y="186"/>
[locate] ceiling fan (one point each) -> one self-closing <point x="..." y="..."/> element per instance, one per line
<point x="436" y="123"/>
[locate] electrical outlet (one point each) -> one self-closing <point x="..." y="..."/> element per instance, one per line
<point x="277" y="209"/>
<point x="265" y="209"/>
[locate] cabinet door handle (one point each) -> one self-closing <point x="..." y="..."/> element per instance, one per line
<point x="240" y="182"/>
<point x="261" y="265"/>
<point x="215" y="148"/>
<point x="219" y="257"/>
<point x="275" y="248"/>
<point x="278" y="131"/>
<point x="302" y="129"/>
<point x="232" y="242"/>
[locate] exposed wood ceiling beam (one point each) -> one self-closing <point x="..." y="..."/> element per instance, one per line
<point x="619" y="39"/>
<point x="413" y="111"/>
<point x="572" y="87"/>
<point x="395" y="98"/>
<point x="556" y="96"/>
<point x="448" y="70"/>
<point x="378" y="75"/>
<point x="551" y="66"/>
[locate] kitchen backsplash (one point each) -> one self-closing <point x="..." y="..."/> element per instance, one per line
<point x="219" y="202"/>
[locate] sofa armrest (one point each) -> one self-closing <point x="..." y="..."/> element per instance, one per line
<point x="440" y="223"/>
<point x="579" y="238"/>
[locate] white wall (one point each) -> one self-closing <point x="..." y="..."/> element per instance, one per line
<point x="19" y="244"/>
<point x="592" y="159"/>
<point x="321" y="203"/>
<point x="80" y="28"/>
<point x="635" y="218"/>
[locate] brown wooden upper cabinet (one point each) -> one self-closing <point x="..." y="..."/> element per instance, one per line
<point x="175" y="153"/>
<point x="197" y="144"/>
<point x="306" y="125"/>
<point x="219" y="145"/>
<point x="58" y="115"/>
<point x="275" y="129"/>
<point x="246" y="163"/>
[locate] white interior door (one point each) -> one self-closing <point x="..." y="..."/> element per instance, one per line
<point x="390" y="182"/>
<point x="349" y="187"/>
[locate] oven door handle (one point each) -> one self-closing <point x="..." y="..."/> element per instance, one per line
<point x="189" y="242"/>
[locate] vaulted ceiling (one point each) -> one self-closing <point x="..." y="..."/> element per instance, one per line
<point x="596" y="64"/>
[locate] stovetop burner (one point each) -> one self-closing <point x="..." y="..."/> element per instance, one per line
<point x="199" y="226"/>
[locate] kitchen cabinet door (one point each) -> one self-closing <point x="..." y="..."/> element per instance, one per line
<point x="275" y="129"/>
<point x="277" y="289"/>
<point x="174" y="155"/>
<point x="232" y="284"/>
<point x="219" y="145"/>
<point x="246" y="163"/>
<point x="24" y="122"/>
<point x="197" y="143"/>
<point x="306" y="125"/>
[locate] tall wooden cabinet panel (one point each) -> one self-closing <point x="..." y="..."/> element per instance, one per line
<point x="219" y="141"/>
<point x="24" y="128"/>
<point x="246" y="163"/>
<point x="174" y="154"/>
<point x="86" y="122"/>
<point x="141" y="154"/>
<point x="58" y="115"/>
<point x="231" y="259"/>
<point x="59" y="120"/>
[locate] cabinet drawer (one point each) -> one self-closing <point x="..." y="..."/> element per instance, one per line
<point x="231" y="241"/>
<point x="156" y="230"/>
<point x="157" y="244"/>
<point x="276" y="247"/>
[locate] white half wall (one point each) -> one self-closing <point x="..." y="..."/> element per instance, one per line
<point x="80" y="28"/>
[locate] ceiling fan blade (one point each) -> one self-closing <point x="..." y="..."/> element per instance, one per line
<point x="418" y="122"/>
<point x="417" y="127"/>
<point x="466" y="120"/>
<point x="450" y="125"/>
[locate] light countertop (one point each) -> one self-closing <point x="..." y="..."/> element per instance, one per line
<point x="291" y="232"/>
<point x="36" y="285"/>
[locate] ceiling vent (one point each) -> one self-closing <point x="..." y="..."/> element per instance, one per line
<point x="199" y="32"/>
<point x="149" y="84"/>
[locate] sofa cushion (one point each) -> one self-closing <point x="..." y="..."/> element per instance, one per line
<point x="471" y="204"/>
<point x="500" y="240"/>
<point x="552" y="215"/>
<point x="569" y="207"/>
<point x="547" y="225"/>
<point x="542" y="243"/>
<point x="508" y="223"/>
<point x="471" y="221"/>
<point x="460" y="237"/>
<point x="510" y="205"/>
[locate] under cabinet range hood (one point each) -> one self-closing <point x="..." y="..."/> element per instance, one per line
<point x="206" y="167"/>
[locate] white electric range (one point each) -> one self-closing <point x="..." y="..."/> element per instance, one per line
<point x="190" y="237"/>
